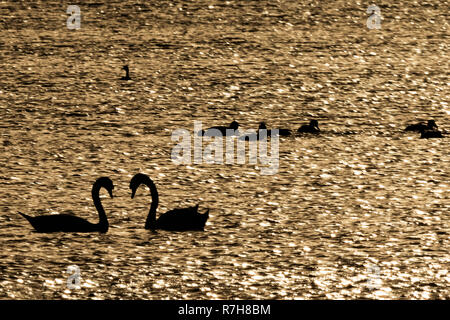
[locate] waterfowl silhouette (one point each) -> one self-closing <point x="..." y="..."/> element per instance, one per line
<point x="69" y="223"/>
<point x="223" y="130"/>
<point x="312" y="127"/>
<point x="419" y="127"/>
<point x="182" y="219"/>
<point x="127" y="70"/>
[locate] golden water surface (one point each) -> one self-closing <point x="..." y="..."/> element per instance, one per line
<point x="359" y="211"/>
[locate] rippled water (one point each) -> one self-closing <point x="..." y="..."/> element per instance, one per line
<point x="360" y="211"/>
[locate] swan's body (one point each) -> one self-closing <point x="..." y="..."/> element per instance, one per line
<point x="69" y="223"/>
<point x="183" y="219"/>
<point x="312" y="127"/>
<point x="222" y="129"/>
<point x="419" y="127"/>
<point x="127" y="76"/>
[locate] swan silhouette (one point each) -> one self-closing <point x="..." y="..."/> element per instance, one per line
<point x="127" y="70"/>
<point x="312" y="127"/>
<point x="223" y="129"/>
<point x="183" y="219"/>
<point x="69" y="223"/>
<point x="419" y="127"/>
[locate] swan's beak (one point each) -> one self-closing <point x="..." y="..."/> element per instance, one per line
<point x="133" y="192"/>
<point x="110" y="193"/>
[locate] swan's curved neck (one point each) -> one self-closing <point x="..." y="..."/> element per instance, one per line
<point x="150" y="223"/>
<point x="103" y="221"/>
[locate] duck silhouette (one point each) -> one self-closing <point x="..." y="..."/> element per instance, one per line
<point x="312" y="127"/>
<point x="182" y="219"/>
<point x="70" y="223"/>
<point x="419" y="127"/>
<point x="127" y="75"/>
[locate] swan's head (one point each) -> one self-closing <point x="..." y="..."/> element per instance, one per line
<point x="125" y="68"/>
<point x="136" y="182"/>
<point x="262" y="125"/>
<point x="106" y="183"/>
<point x="234" y="125"/>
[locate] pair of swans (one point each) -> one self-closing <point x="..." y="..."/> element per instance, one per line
<point x="183" y="219"/>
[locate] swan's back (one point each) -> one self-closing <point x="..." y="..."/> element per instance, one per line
<point x="62" y="223"/>
<point x="182" y="220"/>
